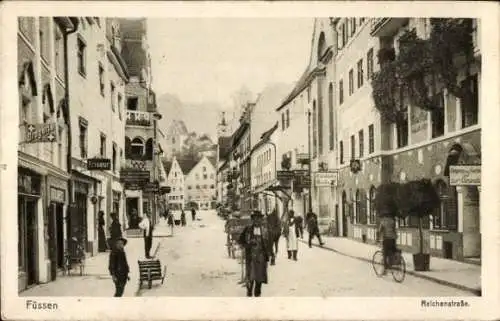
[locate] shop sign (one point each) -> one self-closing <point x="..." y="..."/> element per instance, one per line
<point x="57" y="195"/>
<point x="465" y="175"/>
<point x="133" y="186"/>
<point x="103" y="164"/>
<point x="285" y="175"/>
<point x="40" y="133"/>
<point x="134" y="176"/>
<point x="151" y="187"/>
<point x="325" y="179"/>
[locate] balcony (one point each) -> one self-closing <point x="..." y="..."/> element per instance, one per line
<point x="386" y="27"/>
<point x="138" y="118"/>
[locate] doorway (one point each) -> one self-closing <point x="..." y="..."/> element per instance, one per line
<point x="344" y="214"/>
<point x="56" y="238"/>
<point x="80" y="224"/>
<point x="132" y="207"/>
<point x="27" y="238"/>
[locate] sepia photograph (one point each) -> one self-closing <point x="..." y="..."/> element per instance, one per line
<point x="234" y="157"/>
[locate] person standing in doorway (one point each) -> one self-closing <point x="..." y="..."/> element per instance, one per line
<point x="115" y="230"/>
<point x="147" y="226"/>
<point x="313" y="228"/>
<point x="193" y="214"/>
<point x="118" y="266"/>
<point x="257" y="249"/>
<point x="291" y="234"/>
<point x="101" y="235"/>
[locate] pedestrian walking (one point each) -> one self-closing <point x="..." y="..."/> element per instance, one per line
<point x="170" y="222"/>
<point x="193" y="214"/>
<point x="147" y="226"/>
<point x="299" y="226"/>
<point x="291" y="233"/>
<point x="101" y="235"/>
<point x="115" y="230"/>
<point x="313" y="228"/>
<point x="257" y="250"/>
<point x="183" y="218"/>
<point x="118" y="266"/>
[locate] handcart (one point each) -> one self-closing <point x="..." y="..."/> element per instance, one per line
<point x="74" y="256"/>
<point x="234" y="228"/>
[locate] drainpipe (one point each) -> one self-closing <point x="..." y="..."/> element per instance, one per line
<point x="68" y="121"/>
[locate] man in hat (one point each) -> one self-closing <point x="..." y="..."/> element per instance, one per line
<point x="118" y="266"/>
<point x="255" y="240"/>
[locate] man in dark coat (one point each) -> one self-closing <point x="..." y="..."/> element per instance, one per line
<point x="118" y="266"/>
<point x="312" y="228"/>
<point x="257" y="250"/>
<point x="193" y="214"/>
<point x="299" y="226"/>
<point x="115" y="230"/>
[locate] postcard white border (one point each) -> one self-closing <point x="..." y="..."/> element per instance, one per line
<point x="485" y="307"/>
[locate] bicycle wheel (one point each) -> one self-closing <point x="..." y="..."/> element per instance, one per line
<point x="398" y="268"/>
<point x="378" y="263"/>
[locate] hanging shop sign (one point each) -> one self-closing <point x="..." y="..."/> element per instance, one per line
<point x="302" y="180"/>
<point x="134" y="176"/>
<point x="40" y="133"/>
<point x="355" y="165"/>
<point x="153" y="187"/>
<point x="325" y="179"/>
<point x="465" y="175"/>
<point x="96" y="164"/>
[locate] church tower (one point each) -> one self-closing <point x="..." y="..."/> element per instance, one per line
<point x="222" y="126"/>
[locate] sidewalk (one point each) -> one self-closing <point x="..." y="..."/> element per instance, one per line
<point x="456" y="274"/>
<point x="96" y="281"/>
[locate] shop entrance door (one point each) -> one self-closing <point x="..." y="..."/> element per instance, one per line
<point x="31" y="243"/>
<point x="60" y="234"/>
<point x="344" y="214"/>
<point x="52" y="240"/>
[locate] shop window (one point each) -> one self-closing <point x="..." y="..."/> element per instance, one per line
<point x="437" y="116"/>
<point x="372" y="214"/>
<point x="470" y="104"/>
<point x="445" y="216"/>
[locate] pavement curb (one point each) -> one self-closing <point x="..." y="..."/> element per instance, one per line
<point x="413" y="273"/>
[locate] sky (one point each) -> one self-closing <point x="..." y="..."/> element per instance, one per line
<point x="209" y="59"/>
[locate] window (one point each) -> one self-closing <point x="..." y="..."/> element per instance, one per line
<point x="361" y="138"/>
<point x="287" y="118"/>
<point x="81" y="56"/>
<point x="204" y="186"/>
<point x="371" y="139"/>
<point x="353" y="147"/>
<point x="132" y="103"/>
<point x="351" y="82"/>
<point x="315" y="131"/>
<point x="345" y="36"/>
<point x="470" y="104"/>
<point x="119" y="105"/>
<point x="205" y="176"/>
<point x="361" y="20"/>
<point x="197" y="186"/>
<point x="101" y="79"/>
<point x="121" y="154"/>
<point x="190" y="187"/>
<point x="44" y="38"/>
<point x="197" y="176"/>
<point x="212" y="186"/>
<point x="360" y="205"/>
<point x="83" y="139"/>
<point x="437" y="116"/>
<point x="137" y="147"/>
<point x="402" y="130"/>
<point x="341" y="152"/>
<point x="372" y="214"/>
<point x="341" y="92"/>
<point x="102" y="149"/>
<point x="112" y="95"/>
<point x="283" y="125"/>
<point x="58" y="51"/>
<point x="320" y="123"/>
<point x="445" y="216"/>
<point x="353" y="26"/>
<point x="113" y="159"/>
<point x="369" y="64"/>
<point x="360" y="73"/>
<point x="204" y="169"/>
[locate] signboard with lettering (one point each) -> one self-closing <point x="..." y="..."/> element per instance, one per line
<point x="134" y="176"/>
<point x="325" y="178"/>
<point x="151" y="188"/>
<point x="465" y="175"/>
<point x="95" y="164"/>
<point x="40" y="133"/>
<point x="57" y="195"/>
<point x="285" y="175"/>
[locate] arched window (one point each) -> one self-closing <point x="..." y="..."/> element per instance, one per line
<point x="321" y="46"/>
<point x="445" y="216"/>
<point x="137" y="148"/>
<point x="314" y="130"/>
<point x="372" y="214"/>
<point x="149" y="149"/>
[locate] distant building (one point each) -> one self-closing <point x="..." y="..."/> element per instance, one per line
<point x="176" y="135"/>
<point x="176" y="181"/>
<point x="200" y="184"/>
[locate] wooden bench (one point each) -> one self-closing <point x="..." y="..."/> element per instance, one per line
<point x="150" y="270"/>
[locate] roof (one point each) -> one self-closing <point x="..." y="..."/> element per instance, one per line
<point x="299" y="87"/>
<point x="265" y="137"/>
<point x="239" y="133"/>
<point x="167" y="165"/>
<point x="187" y="164"/>
<point x="212" y="160"/>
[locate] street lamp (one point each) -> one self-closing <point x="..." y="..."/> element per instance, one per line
<point x="309" y="156"/>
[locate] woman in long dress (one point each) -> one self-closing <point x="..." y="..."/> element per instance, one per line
<point x="292" y="237"/>
<point x="101" y="236"/>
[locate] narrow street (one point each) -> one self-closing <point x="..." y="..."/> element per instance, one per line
<point x="198" y="265"/>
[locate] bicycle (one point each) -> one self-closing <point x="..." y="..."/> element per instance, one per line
<point x="397" y="265"/>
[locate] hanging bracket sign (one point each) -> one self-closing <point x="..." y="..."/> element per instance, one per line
<point x="40" y="133"/>
<point x="96" y="164"/>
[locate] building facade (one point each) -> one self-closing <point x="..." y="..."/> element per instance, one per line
<point x="43" y="171"/>
<point x="200" y="185"/>
<point x="425" y="144"/>
<point x="176" y="135"/>
<point x="176" y="181"/>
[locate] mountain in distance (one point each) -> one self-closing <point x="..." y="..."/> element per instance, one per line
<point x="201" y="118"/>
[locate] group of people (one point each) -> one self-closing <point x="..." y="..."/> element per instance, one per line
<point x="257" y="242"/>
